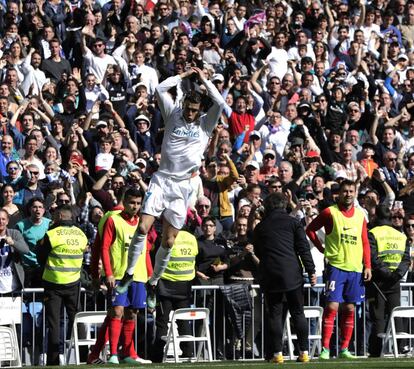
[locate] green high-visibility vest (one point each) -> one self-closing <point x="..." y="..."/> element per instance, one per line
<point x="64" y="262"/>
<point x="391" y="245"/>
<point x="181" y="266"/>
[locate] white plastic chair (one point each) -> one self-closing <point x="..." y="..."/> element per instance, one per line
<point x="173" y="337"/>
<point x="311" y="312"/>
<point x="9" y="347"/>
<point x="391" y="335"/>
<point x="87" y="318"/>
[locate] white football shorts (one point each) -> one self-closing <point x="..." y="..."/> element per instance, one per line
<point x="168" y="197"/>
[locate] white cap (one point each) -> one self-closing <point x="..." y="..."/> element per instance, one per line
<point x="217" y="77"/>
<point x="141" y="161"/>
<point x="253" y="163"/>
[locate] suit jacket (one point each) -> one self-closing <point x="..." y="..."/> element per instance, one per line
<point x="280" y="244"/>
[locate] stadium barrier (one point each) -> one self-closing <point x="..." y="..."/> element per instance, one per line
<point x="227" y="343"/>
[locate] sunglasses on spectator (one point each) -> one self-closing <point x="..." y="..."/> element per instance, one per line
<point x="409" y="225"/>
<point x="392" y="159"/>
<point x="397" y="217"/>
<point x="13" y="168"/>
<point x="34" y="173"/>
<point x="203" y="206"/>
<point x="64" y="201"/>
<point x="276" y="186"/>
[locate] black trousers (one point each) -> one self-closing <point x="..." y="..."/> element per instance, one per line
<point x="379" y="312"/>
<point x="55" y="296"/>
<point x="274" y="306"/>
<point x="164" y="307"/>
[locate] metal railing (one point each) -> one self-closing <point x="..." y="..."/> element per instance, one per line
<point x="226" y="345"/>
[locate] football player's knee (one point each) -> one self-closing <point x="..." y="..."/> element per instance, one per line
<point x="143" y="229"/>
<point x="170" y="242"/>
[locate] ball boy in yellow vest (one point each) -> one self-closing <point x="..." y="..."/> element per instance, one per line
<point x="349" y="264"/>
<point x="116" y="237"/>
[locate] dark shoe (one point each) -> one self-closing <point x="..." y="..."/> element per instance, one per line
<point x="219" y="355"/>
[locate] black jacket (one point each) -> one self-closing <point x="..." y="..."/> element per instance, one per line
<point x="281" y="245"/>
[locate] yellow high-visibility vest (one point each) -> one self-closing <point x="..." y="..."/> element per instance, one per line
<point x="119" y="250"/>
<point x="181" y="266"/>
<point x="391" y="245"/>
<point x="343" y="246"/>
<point x="64" y="262"/>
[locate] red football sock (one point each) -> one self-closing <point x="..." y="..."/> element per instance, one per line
<point x="347" y="327"/>
<point x="128" y="348"/>
<point x="327" y="326"/>
<point x="101" y="339"/>
<point x="115" y="326"/>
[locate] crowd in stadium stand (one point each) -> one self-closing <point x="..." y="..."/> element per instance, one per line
<point x="315" y="93"/>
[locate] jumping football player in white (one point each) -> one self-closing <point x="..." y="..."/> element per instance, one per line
<point x="186" y="136"/>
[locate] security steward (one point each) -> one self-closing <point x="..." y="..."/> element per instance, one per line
<point x="174" y="291"/>
<point x="60" y="253"/>
<point x="390" y="261"/>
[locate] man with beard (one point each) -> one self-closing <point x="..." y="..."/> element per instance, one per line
<point x="347" y="250"/>
<point x="34" y="78"/>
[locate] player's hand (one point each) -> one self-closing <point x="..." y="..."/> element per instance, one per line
<point x="200" y="74"/>
<point x="249" y="248"/>
<point x="312" y="279"/>
<point x="203" y="276"/>
<point x="367" y="274"/>
<point x="187" y="73"/>
<point x="110" y="282"/>
<point x="217" y="268"/>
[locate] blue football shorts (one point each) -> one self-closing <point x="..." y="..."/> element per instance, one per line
<point x="344" y="286"/>
<point x="135" y="297"/>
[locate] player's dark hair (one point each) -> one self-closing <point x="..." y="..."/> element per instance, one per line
<point x="346" y="182"/>
<point x="133" y="192"/>
<point x="193" y="97"/>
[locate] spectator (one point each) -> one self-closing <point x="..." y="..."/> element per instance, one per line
<point x="15" y="212"/>
<point x="242" y="269"/>
<point x="55" y="66"/>
<point x="12" y="246"/>
<point x="216" y="187"/>
<point x="33" y="228"/>
<point x="32" y="188"/>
